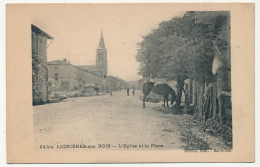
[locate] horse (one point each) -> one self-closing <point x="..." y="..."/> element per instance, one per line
<point x="160" y="89"/>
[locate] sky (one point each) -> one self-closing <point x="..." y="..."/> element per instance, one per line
<point x="76" y="30"/>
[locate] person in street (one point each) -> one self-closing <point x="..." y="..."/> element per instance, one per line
<point x="133" y="92"/>
<point x="127" y="91"/>
<point x="110" y="92"/>
<point x="103" y="89"/>
<point x="96" y="90"/>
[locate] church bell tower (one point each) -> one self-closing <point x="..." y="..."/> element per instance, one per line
<point x="101" y="56"/>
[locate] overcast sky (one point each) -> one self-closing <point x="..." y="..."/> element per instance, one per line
<point x="76" y="30"/>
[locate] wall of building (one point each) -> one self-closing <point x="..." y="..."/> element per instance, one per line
<point x="115" y="83"/>
<point x="84" y="77"/>
<point x="39" y="69"/>
<point x="39" y="83"/>
<point x="65" y="75"/>
<point x="101" y="61"/>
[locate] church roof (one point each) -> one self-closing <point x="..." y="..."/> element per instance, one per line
<point x="85" y="69"/>
<point x="90" y="68"/>
<point x="58" y="62"/>
<point x="101" y="44"/>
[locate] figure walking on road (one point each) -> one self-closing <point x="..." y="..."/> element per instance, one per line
<point x="127" y="91"/>
<point x="111" y="90"/>
<point x="133" y="92"/>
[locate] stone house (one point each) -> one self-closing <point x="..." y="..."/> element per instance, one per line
<point x="67" y="77"/>
<point x="39" y="65"/>
<point x="85" y="77"/>
<point x="63" y="75"/>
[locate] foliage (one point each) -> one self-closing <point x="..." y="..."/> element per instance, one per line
<point x="181" y="48"/>
<point x="223" y="130"/>
<point x="192" y="141"/>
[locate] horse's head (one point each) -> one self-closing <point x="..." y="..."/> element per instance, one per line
<point x="173" y="98"/>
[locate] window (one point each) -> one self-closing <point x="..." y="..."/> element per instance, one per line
<point x="100" y="56"/>
<point x="34" y="44"/>
<point x="34" y="81"/>
<point x="56" y="77"/>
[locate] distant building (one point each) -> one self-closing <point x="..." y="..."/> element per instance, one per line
<point x="115" y="83"/>
<point x="86" y="77"/>
<point x="99" y="71"/>
<point x="92" y="69"/>
<point x="101" y="56"/>
<point x="101" y="60"/>
<point x="39" y="65"/>
<point x="63" y="75"/>
<point x="66" y="77"/>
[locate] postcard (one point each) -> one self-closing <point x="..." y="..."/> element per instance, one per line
<point x="130" y="82"/>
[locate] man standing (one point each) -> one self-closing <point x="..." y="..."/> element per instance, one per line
<point x="127" y="91"/>
<point x="111" y="90"/>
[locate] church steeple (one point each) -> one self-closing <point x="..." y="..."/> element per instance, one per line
<point x="101" y="56"/>
<point x="101" y="44"/>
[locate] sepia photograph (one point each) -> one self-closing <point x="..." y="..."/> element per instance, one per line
<point x="130" y="77"/>
<point x="166" y="86"/>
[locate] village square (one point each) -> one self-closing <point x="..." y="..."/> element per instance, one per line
<point x="180" y="99"/>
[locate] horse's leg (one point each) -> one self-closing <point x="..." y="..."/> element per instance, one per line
<point x="166" y="97"/>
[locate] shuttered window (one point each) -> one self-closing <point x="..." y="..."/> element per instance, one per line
<point x="34" y="44"/>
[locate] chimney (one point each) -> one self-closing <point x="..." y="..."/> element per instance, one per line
<point x="65" y="60"/>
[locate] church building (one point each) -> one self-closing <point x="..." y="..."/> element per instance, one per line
<point x="101" y="60"/>
<point x="101" y="56"/>
<point x="69" y="77"/>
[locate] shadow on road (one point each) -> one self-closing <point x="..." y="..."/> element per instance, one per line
<point x="170" y="110"/>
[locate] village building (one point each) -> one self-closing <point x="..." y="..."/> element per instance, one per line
<point x="63" y="76"/>
<point x="39" y="65"/>
<point x="101" y="60"/>
<point x="85" y="77"/>
<point x="116" y="83"/>
<point x="67" y="77"/>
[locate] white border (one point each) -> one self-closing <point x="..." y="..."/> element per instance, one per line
<point x="3" y="86"/>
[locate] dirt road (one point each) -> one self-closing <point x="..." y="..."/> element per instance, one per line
<point x="105" y="119"/>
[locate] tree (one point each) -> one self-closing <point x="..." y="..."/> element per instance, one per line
<point x="179" y="49"/>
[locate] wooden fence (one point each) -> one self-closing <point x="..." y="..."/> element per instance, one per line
<point x="208" y="101"/>
<point x="211" y="106"/>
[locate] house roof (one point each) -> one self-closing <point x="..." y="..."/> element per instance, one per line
<point x="57" y="62"/>
<point x="90" y="68"/>
<point x="86" y="70"/>
<point x="37" y="30"/>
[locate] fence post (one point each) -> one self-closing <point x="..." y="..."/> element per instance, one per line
<point x="214" y="98"/>
<point x="220" y="101"/>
